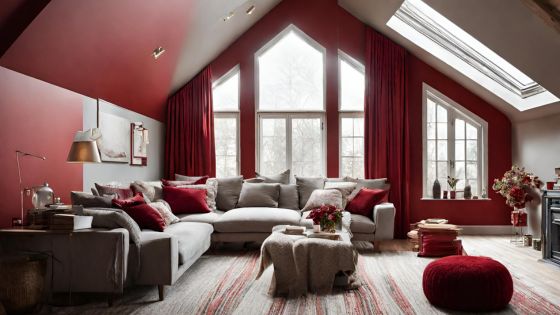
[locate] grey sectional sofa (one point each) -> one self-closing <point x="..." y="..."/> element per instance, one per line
<point x="160" y="258"/>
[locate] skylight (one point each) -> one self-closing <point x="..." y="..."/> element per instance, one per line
<point x="434" y="33"/>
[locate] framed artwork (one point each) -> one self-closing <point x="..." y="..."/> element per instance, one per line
<point x="115" y="137"/>
<point x="138" y="144"/>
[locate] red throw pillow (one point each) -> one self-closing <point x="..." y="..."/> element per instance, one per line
<point x="365" y="200"/>
<point x="186" y="200"/>
<point x="129" y="202"/>
<point x="146" y="216"/>
<point x="175" y="183"/>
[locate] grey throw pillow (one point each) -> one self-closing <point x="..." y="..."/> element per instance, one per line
<point x="229" y="189"/>
<point x="320" y="197"/>
<point x="148" y="190"/>
<point x="115" y="218"/>
<point x="88" y="200"/>
<point x="345" y="188"/>
<point x="282" y="178"/>
<point x="188" y="178"/>
<point x="259" y="195"/>
<point x="288" y="198"/>
<point x="306" y="185"/>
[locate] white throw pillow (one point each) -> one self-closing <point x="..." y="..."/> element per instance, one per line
<point x="164" y="210"/>
<point x="345" y="188"/>
<point x="320" y="197"/>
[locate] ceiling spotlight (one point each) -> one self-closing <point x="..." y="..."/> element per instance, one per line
<point x="158" y="52"/>
<point x="229" y="16"/>
<point x="251" y="10"/>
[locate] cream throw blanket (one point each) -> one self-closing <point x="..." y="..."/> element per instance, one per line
<point x="304" y="264"/>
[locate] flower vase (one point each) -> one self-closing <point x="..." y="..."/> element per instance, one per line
<point x="452" y="194"/>
<point x="328" y="227"/>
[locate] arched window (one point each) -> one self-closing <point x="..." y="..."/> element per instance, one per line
<point x="454" y="145"/>
<point x="291" y="105"/>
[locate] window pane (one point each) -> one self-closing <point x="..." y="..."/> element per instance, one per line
<point x="358" y="127"/>
<point x="346" y="166"/>
<point x="442" y="171"/>
<point x="225" y="135"/>
<point x="273" y="146"/>
<point x="347" y="146"/>
<point x="472" y="150"/>
<point x="460" y="170"/>
<point x="431" y="150"/>
<point x="460" y="150"/>
<point x="347" y="127"/>
<point x="307" y="147"/>
<point x="441" y="114"/>
<point x="352" y="87"/>
<point x="431" y="173"/>
<point x="459" y="129"/>
<point x="431" y="111"/>
<point x="442" y="150"/>
<point x="471" y="170"/>
<point x="442" y="130"/>
<point x="431" y="131"/>
<point x="474" y="187"/>
<point x="472" y="133"/>
<point x="352" y="147"/>
<point x="291" y="75"/>
<point x="226" y="94"/>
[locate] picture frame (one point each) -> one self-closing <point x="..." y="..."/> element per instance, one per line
<point x="138" y="144"/>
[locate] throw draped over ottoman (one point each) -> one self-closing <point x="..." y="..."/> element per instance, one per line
<point x="304" y="264"/>
<point x="468" y="283"/>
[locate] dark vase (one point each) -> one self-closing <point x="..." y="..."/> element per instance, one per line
<point x="452" y="194"/>
<point x="467" y="194"/>
<point x="445" y="194"/>
<point x="436" y="190"/>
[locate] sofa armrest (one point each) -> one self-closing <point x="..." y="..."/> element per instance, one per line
<point x="159" y="259"/>
<point x="384" y="218"/>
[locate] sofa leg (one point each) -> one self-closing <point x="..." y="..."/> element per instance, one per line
<point x="161" y="291"/>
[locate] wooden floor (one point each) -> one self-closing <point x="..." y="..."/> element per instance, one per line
<point x="524" y="263"/>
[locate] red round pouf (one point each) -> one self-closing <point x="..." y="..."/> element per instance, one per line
<point x="468" y="283"/>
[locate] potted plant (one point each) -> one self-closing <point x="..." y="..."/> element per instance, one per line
<point x="327" y="217"/>
<point x="452" y="182"/>
<point x="516" y="186"/>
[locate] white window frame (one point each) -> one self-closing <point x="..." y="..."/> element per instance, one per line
<point x="231" y="113"/>
<point x="289" y="116"/>
<point x="454" y="110"/>
<point x="346" y="113"/>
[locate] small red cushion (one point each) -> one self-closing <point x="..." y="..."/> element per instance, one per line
<point x="468" y="283"/>
<point x="129" y="202"/>
<point x="365" y="200"/>
<point x="146" y="216"/>
<point x="174" y="183"/>
<point x="186" y="200"/>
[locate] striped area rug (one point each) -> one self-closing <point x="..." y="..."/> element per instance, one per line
<point x="224" y="283"/>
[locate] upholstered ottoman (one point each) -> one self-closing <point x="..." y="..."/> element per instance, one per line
<point x="467" y="283"/>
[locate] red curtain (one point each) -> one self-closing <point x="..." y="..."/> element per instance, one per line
<point x="386" y="122"/>
<point x="189" y="141"/>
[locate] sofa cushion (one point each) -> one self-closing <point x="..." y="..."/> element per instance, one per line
<point x="211" y="188"/>
<point x="164" y="210"/>
<point x="319" y="197"/>
<point x="361" y="224"/>
<point x="345" y="188"/>
<point x="377" y="183"/>
<point x="129" y="202"/>
<point x="192" y="238"/>
<point x="152" y="192"/>
<point x="282" y="178"/>
<point x="259" y="195"/>
<point x="88" y="200"/>
<point x="229" y="189"/>
<point x="209" y="217"/>
<point x="288" y="198"/>
<point x="186" y="200"/>
<point x="365" y="200"/>
<point x="256" y="219"/>
<point x="114" y="218"/>
<point x="121" y="191"/>
<point x="306" y="185"/>
<point x="192" y="179"/>
<point x="146" y="216"/>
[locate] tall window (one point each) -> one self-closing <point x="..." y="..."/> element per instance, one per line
<point x="291" y="104"/>
<point x="352" y="94"/>
<point x="225" y="94"/>
<point x="454" y="144"/>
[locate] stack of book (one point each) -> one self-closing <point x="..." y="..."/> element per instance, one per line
<point x="294" y="230"/>
<point x="70" y="222"/>
<point x="438" y="240"/>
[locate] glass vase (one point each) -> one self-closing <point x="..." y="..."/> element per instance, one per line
<point x="328" y="226"/>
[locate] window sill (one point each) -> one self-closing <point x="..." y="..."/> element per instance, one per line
<point x="458" y="199"/>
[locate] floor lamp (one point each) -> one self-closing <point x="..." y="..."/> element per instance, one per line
<point x="21" y="189"/>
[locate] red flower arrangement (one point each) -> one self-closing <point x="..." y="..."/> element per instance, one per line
<point x="516" y="186"/>
<point x="327" y="216"/>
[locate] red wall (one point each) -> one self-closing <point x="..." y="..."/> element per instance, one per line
<point x="39" y="118"/>
<point x="464" y="212"/>
<point x="334" y="28"/>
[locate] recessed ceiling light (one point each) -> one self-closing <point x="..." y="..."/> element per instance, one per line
<point x="229" y="16"/>
<point x="158" y="52"/>
<point x="251" y="10"/>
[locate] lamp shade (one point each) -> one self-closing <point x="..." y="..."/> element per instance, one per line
<point x="84" y="152"/>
